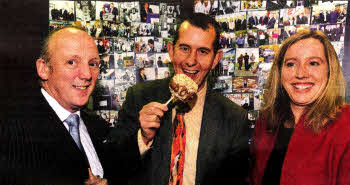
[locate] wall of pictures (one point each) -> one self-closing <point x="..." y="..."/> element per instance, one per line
<point x="253" y="32"/>
<point x="131" y="38"/>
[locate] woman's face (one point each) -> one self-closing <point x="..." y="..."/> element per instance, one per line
<point x="305" y="71"/>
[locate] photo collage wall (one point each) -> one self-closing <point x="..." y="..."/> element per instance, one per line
<point x="131" y="38"/>
<point x="253" y="32"/>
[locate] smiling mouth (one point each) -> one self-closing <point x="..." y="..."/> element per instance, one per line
<point x="190" y="72"/>
<point x="301" y="87"/>
<point x="81" y="87"/>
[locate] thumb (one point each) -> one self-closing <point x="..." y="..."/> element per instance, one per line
<point x="91" y="176"/>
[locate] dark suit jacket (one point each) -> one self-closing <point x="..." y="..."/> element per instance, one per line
<point x="223" y="144"/>
<point x="37" y="149"/>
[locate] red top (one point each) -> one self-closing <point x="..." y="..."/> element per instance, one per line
<point x="311" y="159"/>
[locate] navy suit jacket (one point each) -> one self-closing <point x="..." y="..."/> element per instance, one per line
<point x="223" y="144"/>
<point x="37" y="149"/>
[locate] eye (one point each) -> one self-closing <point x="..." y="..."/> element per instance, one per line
<point x="203" y="51"/>
<point x="94" y="64"/>
<point x="71" y="62"/>
<point x="314" y="63"/>
<point x="185" y="49"/>
<point x="289" y="64"/>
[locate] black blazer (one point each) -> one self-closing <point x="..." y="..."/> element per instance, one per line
<point x="36" y="148"/>
<point x="223" y="145"/>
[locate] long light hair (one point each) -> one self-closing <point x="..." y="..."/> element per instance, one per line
<point x="324" y="109"/>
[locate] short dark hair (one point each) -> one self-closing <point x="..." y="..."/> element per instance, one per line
<point x="150" y="41"/>
<point x="202" y="21"/>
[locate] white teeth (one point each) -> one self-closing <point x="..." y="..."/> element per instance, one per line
<point x="81" y="87"/>
<point x="302" y="86"/>
<point x="191" y="72"/>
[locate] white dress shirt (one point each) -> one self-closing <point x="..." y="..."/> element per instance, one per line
<point x="85" y="139"/>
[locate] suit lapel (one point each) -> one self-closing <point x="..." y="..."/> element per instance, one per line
<point x="207" y="136"/>
<point x="58" y="136"/>
<point x="162" y="153"/>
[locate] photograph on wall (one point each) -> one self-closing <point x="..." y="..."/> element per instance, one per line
<point x="263" y="19"/>
<point x="120" y="88"/>
<point x="104" y="46"/>
<point x="163" y="60"/>
<point x="113" y="115"/>
<point x="107" y="60"/>
<point x="141" y="61"/>
<point x="125" y="75"/>
<point x="247" y="60"/>
<point x="102" y="102"/>
<point x="106" y="74"/>
<point x="145" y="74"/>
<point x="163" y="16"/>
<point x="202" y="6"/>
<point x="85" y="10"/>
<point x="227" y="40"/>
<point x="107" y="67"/>
<point x="253" y="5"/>
<point x="275" y="5"/>
<point x="129" y="12"/>
<point x="105" y="87"/>
<point x="244" y="84"/>
<point x="170" y="32"/>
<point x="258" y="99"/>
<point x="107" y="11"/>
<point x="61" y="10"/>
<point x="59" y="24"/>
<point x="243" y="99"/>
<point x="242" y="38"/>
<point x="334" y="32"/>
<point x="144" y="44"/>
<point x="226" y="66"/>
<point x="123" y="44"/>
<point x="339" y="49"/>
<point x="114" y="103"/>
<point x="233" y="22"/>
<point x="162" y="72"/>
<point x="294" y="16"/>
<point x="148" y="11"/>
<point x="217" y="7"/>
<point x="223" y="84"/>
<point x="329" y="12"/>
<point x="151" y="60"/>
<point x="124" y="59"/>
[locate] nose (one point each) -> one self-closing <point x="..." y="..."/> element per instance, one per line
<point x="192" y="59"/>
<point x="301" y="72"/>
<point x="85" y="72"/>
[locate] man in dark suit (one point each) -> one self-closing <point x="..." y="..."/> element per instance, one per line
<point x="50" y="139"/>
<point x="216" y="146"/>
<point x="271" y="22"/>
<point x="114" y="12"/>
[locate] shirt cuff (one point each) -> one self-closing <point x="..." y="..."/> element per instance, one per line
<point x="142" y="146"/>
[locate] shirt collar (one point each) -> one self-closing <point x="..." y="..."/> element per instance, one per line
<point x="61" y="112"/>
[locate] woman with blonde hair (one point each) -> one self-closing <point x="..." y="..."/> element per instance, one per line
<point x="303" y="133"/>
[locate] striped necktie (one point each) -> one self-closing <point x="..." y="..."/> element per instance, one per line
<point x="73" y="121"/>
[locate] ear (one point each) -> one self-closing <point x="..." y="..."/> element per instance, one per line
<point x="217" y="58"/>
<point x="42" y="69"/>
<point x="170" y="48"/>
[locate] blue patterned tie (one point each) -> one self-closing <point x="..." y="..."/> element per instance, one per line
<point x="73" y="123"/>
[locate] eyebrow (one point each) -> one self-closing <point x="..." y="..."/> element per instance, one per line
<point x="202" y="48"/>
<point x="308" y="58"/>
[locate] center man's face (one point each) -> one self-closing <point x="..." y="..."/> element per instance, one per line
<point x="193" y="53"/>
<point x="74" y="68"/>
